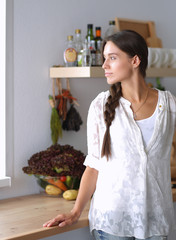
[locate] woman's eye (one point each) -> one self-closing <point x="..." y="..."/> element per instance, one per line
<point x="112" y="58"/>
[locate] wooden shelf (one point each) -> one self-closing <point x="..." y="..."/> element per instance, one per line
<point x="161" y="72"/>
<point x="76" y="72"/>
<point x="98" y="72"/>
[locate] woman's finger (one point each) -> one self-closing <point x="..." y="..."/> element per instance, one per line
<point x="69" y="220"/>
<point x="61" y="220"/>
<point x="55" y="221"/>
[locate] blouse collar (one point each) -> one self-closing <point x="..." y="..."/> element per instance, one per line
<point x="160" y="105"/>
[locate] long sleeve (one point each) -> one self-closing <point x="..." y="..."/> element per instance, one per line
<point x="93" y="139"/>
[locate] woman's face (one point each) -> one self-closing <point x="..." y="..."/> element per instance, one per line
<point x="117" y="65"/>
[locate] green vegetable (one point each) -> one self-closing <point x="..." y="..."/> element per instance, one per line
<point x="76" y="183"/>
<point x="59" y="170"/>
<point x="42" y="183"/>
<point x="55" y="124"/>
<point x="68" y="181"/>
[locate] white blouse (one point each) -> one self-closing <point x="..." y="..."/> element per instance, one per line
<point x="133" y="194"/>
<point x="147" y="126"/>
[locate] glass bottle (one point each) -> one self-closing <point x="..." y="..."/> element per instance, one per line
<point x="98" y="56"/>
<point x="86" y="55"/>
<point x="70" y="54"/>
<point x="89" y="35"/>
<point x="111" y="29"/>
<point x="97" y="35"/>
<point x="93" y="52"/>
<point x="79" y="46"/>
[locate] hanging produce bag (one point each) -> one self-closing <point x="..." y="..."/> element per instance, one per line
<point x="73" y="120"/>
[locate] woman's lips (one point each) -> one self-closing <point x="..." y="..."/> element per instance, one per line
<point x="107" y="74"/>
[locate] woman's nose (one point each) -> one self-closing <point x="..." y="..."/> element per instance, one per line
<point x="105" y="65"/>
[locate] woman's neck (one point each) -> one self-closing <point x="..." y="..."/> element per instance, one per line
<point x="134" y="91"/>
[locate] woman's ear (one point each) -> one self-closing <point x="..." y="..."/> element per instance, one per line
<point x="136" y="61"/>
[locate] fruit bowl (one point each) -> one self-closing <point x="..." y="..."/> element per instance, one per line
<point x="60" y="184"/>
<point x="59" y="166"/>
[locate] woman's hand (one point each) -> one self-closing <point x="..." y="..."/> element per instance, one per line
<point x="86" y="189"/>
<point x="62" y="220"/>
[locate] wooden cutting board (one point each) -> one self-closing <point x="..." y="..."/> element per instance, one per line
<point x="153" y="40"/>
<point x="145" y="28"/>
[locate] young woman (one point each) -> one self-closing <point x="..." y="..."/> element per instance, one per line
<point x="130" y="130"/>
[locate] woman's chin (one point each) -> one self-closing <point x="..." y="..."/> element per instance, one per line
<point x="111" y="81"/>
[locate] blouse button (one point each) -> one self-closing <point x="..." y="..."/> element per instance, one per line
<point x="161" y="107"/>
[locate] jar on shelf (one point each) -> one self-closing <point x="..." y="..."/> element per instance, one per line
<point x="79" y="46"/>
<point x="89" y="35"/>
<point x="111" y="29"/>
<point x="70" y="53"/>
<point x="98" y="55"/>
<point x="86" y="55"/>
<point x="93" y="52"/>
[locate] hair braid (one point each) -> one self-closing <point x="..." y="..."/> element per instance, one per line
<point x="109" y="114"/>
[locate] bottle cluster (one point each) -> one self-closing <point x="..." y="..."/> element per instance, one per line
<point x="87" y="52"/>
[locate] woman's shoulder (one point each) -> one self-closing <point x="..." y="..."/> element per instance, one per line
<point x="169" y="95"/>
<point x="100" y="100"/>
<point x="169" y="98"/>
<point x="101" y="97"/>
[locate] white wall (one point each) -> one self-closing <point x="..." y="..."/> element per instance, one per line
<point x="36" y="31"/>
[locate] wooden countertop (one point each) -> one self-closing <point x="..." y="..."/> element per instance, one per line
<point x="22" y="218"/>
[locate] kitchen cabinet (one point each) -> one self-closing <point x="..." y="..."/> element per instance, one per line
<point x="98" y="72"/>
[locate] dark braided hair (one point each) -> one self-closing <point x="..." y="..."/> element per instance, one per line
<point x="132" y="44"/>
